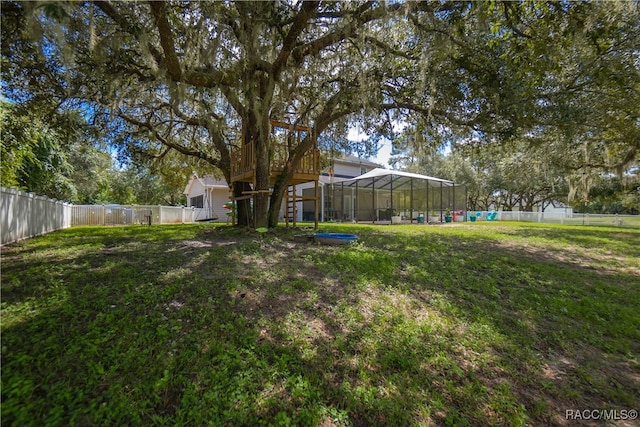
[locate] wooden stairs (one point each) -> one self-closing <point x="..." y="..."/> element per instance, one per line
<point x="291" y="212"/>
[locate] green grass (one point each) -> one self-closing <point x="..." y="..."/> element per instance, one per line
<point x="485" y="324"/>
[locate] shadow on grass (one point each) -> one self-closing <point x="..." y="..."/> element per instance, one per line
<point x="212" y="325"/>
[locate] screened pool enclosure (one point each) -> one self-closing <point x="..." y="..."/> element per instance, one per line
<point x="387" y="195"/>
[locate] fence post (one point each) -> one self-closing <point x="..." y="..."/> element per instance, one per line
<point x="159" y="214"/>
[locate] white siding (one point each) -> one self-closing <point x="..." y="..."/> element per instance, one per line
<point x="343" y="170"/>
<point x="216" y="199"/>
<point x="197" y="189"/>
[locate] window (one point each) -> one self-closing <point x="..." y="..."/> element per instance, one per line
<point x="197" y="202"/>
<point x="363" y="170"/>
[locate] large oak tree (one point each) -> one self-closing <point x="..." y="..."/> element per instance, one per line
<point x="204" y="78"/>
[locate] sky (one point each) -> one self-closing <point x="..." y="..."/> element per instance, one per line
<point x="384" y="153"/>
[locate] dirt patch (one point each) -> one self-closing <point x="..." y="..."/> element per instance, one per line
<point x="558" y="368"/>
<point x="193" y="244"/>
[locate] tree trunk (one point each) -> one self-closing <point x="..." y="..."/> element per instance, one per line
<point x="257" y="133"/>
<point x="243" y="206"/>
<point x="261" y="205"/>
<point x="279" y="189"/>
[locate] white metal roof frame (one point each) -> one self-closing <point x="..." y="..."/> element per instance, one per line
<point x="381" y="178"/>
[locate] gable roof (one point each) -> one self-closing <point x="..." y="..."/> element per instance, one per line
<point x="206" y="182"/>
<point x="209" y="181"/>
<point x="354" y="160"/>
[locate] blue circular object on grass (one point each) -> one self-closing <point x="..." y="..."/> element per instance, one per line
<point x="335" y="238"/>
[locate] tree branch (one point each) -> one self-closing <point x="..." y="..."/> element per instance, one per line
<point x="129" y="28"/>
<point x="359" y="19"/>
<point x="427" y="110"/>
<point x="364" y="14"/>
<point x="299" y="23"/>
<point x="159" y="10"/>
<point x="178" y="147"/>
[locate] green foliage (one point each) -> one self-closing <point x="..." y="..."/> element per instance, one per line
<point x="553" y="86"/>
<point x="37" y="153"/>
<point x="15" y="146"/>
<point x="612" y="195"/>
<point x="484" y="324"/>
<point x="56" y="154"/>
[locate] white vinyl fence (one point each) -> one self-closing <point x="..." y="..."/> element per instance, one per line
<point x="24" y="215"/>
<point x="135" y="214"/>
<point x="558" y="218"/>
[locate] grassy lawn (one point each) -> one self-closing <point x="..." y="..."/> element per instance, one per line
<point x="486" y="324"/>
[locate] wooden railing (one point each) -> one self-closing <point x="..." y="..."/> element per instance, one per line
<point x="243" y="161"/>
<point x="309" y="163"/>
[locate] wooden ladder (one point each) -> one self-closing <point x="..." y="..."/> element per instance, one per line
<point x="291" y="213"/>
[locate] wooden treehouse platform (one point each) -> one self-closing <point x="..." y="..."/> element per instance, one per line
<point x="243" y="168"/>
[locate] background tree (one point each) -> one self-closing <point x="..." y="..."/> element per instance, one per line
<point x="508" y="176"/>
<point x="610" y="194"/>
<point x="591" y="103"/>
<point x="564" y="77"/>
<point x="58" y="155"/>
<point x="50" y="154"/>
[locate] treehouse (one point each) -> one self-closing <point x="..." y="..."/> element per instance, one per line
<point x="285" y="138"/>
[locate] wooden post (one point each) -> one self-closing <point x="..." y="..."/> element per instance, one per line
<point x="315" y="209"/>
<point x="393" y="212"/>
<point x="295" y="206"/>
<point x="354" y="203"/>
<point x="426" y="191"/>
<point x="453" y="201"/>
<point x="342" y="201"/>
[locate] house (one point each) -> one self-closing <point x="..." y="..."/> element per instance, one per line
<point x="346" y="193"/>
<point x="347" y="166"/>
<point x="341" y="168"/>
<point x="550" y="209"/>
<point x="208" y="193"/>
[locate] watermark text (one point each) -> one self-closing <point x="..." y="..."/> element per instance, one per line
<point x="601" y="414"/>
